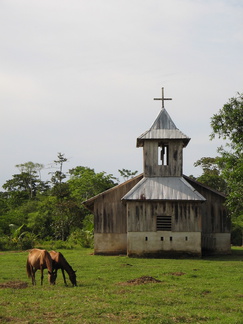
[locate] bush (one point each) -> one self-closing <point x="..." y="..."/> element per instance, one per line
<point x="237" y="236"/>
<point x="26" y="241"/>
<point x="75" y="237"/>
<point x="4" y="243"/>
<point x="84" y="236"/>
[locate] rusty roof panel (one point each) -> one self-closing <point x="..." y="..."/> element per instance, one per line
<point x="163" y="188"/>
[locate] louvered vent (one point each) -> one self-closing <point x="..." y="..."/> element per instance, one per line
<point x="163" y="223"/>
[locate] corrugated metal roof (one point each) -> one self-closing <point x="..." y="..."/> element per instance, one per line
<point x="163" y="188"/>
<point x="134" y="180"/>
<point x="162" y="128"/>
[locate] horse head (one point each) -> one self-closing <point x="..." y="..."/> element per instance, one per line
<point x="72" y="277"/>
<point x="52" y="277"/>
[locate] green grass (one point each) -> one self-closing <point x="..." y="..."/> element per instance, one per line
<point x="208" y="290"/>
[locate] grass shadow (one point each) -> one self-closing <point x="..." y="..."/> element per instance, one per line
<point x="236" y="255"/>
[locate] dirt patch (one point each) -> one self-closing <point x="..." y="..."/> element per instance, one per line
<point x="126" y="265"/>
<point x="205" y="292"/>
<point x="178" y="274"/>
<point x="140" y="281"/>
<point x="14" y="284"/>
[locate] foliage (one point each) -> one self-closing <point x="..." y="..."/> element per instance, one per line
<point x="27" y="184"/>
<point x="211" y="174"/>
<point x="189" y="291"/>
<point x="87" y="232"/>
<point x="84" y="183"/>
<point x="50" y="210"/>
<point x="59" y="175"/>
<point x="228" y="124"/>
<point x="18" y="239"/>
<point x="127" y="174"/>
<point x="237" y="231"/>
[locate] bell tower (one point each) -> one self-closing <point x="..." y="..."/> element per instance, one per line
<point x="162" y="146"/>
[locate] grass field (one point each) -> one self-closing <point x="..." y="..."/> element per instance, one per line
<point x="125" y="290"/>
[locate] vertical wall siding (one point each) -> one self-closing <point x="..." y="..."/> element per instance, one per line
<point x="215" y="218"/>
<point x="215" y="222"/>
<point x="142" y="216"/>
<point x="110" y="212"/>
<point x="151" y="166"/>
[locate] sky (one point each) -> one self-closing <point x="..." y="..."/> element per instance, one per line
<point x="79" y="77"/>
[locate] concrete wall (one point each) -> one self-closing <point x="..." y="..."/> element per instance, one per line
<point x="216" y="243"/>
<point x="163" y="243"/>
<point x="110" y="243"/>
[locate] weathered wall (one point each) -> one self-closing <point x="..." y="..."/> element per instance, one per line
<point x="163" y="243"/>
<point x="144" y="239"/>
<point x="214" y="213"/>
<point x="110" y="221"/>
<point x="215" y="222"/>
<point x="109" y="212"/>
<point x="151" y="166"/>
<point x="186" y="216"/>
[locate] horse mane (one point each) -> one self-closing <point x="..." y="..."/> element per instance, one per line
<point x="61" y="262"/>
<point x="48" y="261"/>
<point x="65" y="262"/>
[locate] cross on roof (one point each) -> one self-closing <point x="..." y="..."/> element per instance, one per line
<point x="163" y="98"/>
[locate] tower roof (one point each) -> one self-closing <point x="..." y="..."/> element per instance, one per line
<point x="163" y="128"/>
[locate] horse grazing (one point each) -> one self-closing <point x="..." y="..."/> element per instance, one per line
<point x="40" y="260"/>
<point x="61" y="263"/>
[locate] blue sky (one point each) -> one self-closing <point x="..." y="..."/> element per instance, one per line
<point x="79" y="77"/>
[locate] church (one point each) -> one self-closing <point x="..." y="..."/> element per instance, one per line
<point x="161" y="212"/>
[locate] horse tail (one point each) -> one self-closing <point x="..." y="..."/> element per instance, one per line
<point x="28" y="269"/>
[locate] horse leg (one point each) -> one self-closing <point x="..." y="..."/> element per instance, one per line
<point x="55" y="274"/>
<point x="42" y="275"/>
<point x="33" y="271"/>
<point x="64" y="278"/>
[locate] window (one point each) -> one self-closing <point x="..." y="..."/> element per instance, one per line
<point x="163" y="223"/>
<point x="163" y="154"/>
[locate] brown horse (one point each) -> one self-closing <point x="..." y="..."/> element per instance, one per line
<point x="40" y="260"/>
<point x="61" y="263"/>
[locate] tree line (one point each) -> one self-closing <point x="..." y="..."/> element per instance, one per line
<point x="32" y="209"/>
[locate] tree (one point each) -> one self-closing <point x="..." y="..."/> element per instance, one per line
<point x="211" y="174"/>
<point x="59" y="176"/>
<point x="228" y="125"/>
<point x="30" y="168"/>
<point x="127" y="174"/>
<point x="26" y="184"/>
<point x="85" y="183"/>
<point x="65" y="212"/>
<point x="21" y="196"/>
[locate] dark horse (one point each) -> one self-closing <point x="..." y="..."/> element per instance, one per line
<point x="40" y="260"/>
<point x="61" y="263"/>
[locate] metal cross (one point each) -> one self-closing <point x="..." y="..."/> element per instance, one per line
<point x="163" y="98"/>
